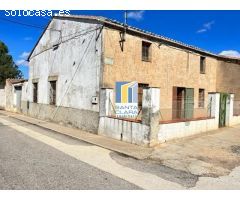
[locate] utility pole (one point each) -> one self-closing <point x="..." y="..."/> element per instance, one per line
<point x="125" y="18"/>
<point x="125" y="25"/>
<point x="123" y="34"/>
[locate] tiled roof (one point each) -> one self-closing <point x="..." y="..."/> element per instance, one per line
<point x="161" y="38"/>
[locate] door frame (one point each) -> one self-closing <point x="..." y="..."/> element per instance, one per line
<point x="223" y="109"/>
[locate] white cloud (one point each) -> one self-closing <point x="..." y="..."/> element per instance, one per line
<point x="22" y="62"/>
<point x="24" y="55"/>
<point x="23" y="59"/>
<point x="137" y="15"/>
<point x="230" y="53"/>
<point x="206" y="27"/>
<point x="28" y="38"/>
<point x="202" y="30"/>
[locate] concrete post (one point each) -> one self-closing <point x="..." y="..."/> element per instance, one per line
<point x="214" y="101"/>
<point x="151" y="113"/>
<point x="106" y="100"/>
<point x="229" y="109"/>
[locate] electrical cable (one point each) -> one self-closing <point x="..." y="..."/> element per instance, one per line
<point x="25" y="24"/>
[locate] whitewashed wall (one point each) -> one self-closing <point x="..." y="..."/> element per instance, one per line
<point x="235" y="120"/>
<point x="76" y="62"/>
<point x="2" y="98"/>
<point x="131" y="132"/>
<point x="184" y="129"/>
<point x="25" y="91"/>
<point x="231" y="119"/>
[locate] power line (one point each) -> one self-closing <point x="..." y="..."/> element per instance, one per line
<point x="88" y="29"/>
<point x="27" y="25"/>
<point x="67" y="40"/>
<point x="72" y="78"/>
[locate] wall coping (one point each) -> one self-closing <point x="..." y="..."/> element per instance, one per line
<point x="185" y="120"/>
<point x="125" y="119"/>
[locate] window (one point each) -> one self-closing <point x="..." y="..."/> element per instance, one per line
<point x="182" y="103"/>
<point x="202" y="65"/>
<point x="35" y="92"/>
<point x="52" y="92"/>
<point x="201" y="96"/>
<point x="141" y="86"/>
<point x="146" y="51"/>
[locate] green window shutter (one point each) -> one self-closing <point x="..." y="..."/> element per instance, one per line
<point x="189" y="103"/>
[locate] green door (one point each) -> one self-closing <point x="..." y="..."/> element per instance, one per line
<point x="222" y="109"/>
<point x="189" y="103"/>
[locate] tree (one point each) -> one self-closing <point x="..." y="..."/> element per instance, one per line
<point x="8" y="69"/>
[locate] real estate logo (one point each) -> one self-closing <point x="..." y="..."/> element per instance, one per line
<point x="126" y="105"/>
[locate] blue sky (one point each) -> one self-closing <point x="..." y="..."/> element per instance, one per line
<point x="215" y="31"/>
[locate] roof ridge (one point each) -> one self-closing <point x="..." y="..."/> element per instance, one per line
<point x="151" y="34"/>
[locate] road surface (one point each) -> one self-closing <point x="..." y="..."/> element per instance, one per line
<point x="35" y="158"/>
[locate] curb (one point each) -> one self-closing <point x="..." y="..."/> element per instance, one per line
<point x="140" y="157"/>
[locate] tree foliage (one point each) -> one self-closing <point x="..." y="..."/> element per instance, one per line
<point x="8" y="69"/>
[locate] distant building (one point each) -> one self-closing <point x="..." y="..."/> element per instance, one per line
<point x="14" y="95"/>
<point x="78" y="59"/>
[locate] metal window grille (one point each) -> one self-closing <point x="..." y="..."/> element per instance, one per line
<point x="202" y="65"/>
<point x="146" y="51"/>
<point x="141" y="86"/>
<point x="201" y="98"/>
<point x="53" y="92"/>
<point x="236" y="107"/>
<point x="35" y="92"/>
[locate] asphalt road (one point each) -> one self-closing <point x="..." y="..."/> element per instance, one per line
<point x="26" y="163"/>
<point x="35" y="158"/>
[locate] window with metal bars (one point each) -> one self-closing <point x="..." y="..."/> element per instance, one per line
<point x="202" y="65"/>
<point x="201" y="98"/>
<point x="183" y="103"/>
<point x="35" y="92"/>
<point x="141" y="86"/>
<point x="146" y="51"/>
<point x="52" y="95"/>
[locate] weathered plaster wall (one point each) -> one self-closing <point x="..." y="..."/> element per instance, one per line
<point x="76" y="63"/>
<point x="168" y="67"/>
<point x="184" y="129"/>
<point x="2" y="98"/>
<point x="84" y="119"/>
<point x="9" y="96"/>
<point x="235" y="120"/>
<point x="131" y="132"/>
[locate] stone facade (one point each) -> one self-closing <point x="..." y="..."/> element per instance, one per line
<point x="169" y="67"/>
<point x="228" y="78"/>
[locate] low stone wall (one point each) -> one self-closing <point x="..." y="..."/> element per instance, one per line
<point x="127" y="131"/>
<point x="183" y="129"/>
<point x="83" y="119"/>
<point x="2" y="99"/>
<point x="235" y="120"/>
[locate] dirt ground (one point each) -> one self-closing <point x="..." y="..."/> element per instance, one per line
<point x="213" y="155"/>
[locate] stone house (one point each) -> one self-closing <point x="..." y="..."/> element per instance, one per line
<point x="78" y="59"/>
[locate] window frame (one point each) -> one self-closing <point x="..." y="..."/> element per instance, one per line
<point x="201" y="98"/>
<point x="141" y="86"/>
<point x="53" y="95"/>
<point x="202" y="65"/>
<point x="35" y="92"/>
<point x="147" y="50"/>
